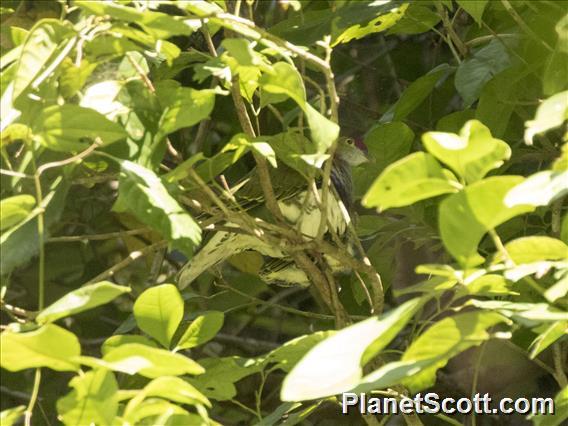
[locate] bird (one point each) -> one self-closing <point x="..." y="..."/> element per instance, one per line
<point x="299" y="208"/>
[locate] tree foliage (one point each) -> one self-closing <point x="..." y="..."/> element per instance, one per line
<point x="127" y="128"/>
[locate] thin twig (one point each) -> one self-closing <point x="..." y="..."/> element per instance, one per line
<point x="95" y="237"/>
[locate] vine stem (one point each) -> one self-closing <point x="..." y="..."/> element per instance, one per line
<point x="41" y="242"/>
<point x="33" y="398"/>
<point x="559" y="373"/>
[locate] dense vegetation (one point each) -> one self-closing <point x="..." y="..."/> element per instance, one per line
<point x="127" y="128"/>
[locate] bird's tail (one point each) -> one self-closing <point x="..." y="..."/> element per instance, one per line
<point x="219" y="248"/>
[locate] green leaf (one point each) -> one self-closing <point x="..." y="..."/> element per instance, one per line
<point x="123" y="339"/>
<point x="417" y="19"/>
<point x="143" y="194"/>
<point x="444" y="340"/>
<point x="555" y="72"/>
<point x="102" y="97"/>
<point x="70" y="128"/>
<point x="323" y="131"/>
<point x="550" y="114"/>
<point x="80" y="300"/>
<point x="432" y="350"/>
<point x="452" y="123"/>
<point x="132" y="358"/>
<point x="550" y="335"/>
<point x="11" y="415"/>
<point x="380" y="23"/>
<point x="482" y="66"/>
<point x="539" y="189"/>
<point x="525" y="313"/>
<point x="386" y="143"/>
<point x="285" y="81"/>
<point x="158" y="312"/>
<point x="472" y="154"/>
<point x="93" y="399"/>
<point x="535" y="248"/>
<point x="209" y="168"/>
<point x="241" y="50"/>
<point x="20" y="243"/>
<point x="183" y="107"/>
<point x="221" y="374"/>
<point x="560" y="414"/>
<point x="416" y="93"/>
<point x="171" y="388"/>
<point x="154" y="407"/>
<point x="465" y="217"/>
<point x="335" y="365"/>
<point x="498" y="99"/>
<point x="474" y="8"/>
<point x="202" y="329"/>
<point x="292" y="148"/>
<point x="416" y="177"/>
<point x="160" y="25"/>
<point x="41" y="43"/>
<point x="266" y="151"/>
<point x="290" y="353"/>
<point x="489" y="285"/>
<point x="562" y="31"/>
<point x="48" y="346"/>
<point x="15" y="209"/>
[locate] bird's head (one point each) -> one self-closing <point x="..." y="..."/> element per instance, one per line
<point x="352" y="151"/>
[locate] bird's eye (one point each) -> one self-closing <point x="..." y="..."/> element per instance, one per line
<point x="350" y="141"/>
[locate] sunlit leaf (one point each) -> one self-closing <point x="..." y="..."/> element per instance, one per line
<point x="122" y="339"/>
<point x="444" y="340"/>
<point x="381" y="23"/>
<point x="560" y="414"/>
<point x="201" y="330"/>
<point x="71" y="127"/>
<point x="49" y="346"/>
<point x="183" y="107"/>
<point x="552" y="333"/>
<point x="465" y="217"/>
<point x="101" y="97"/>
<point x="21" y="243"/>
<point x="159" y="24"/>
<point x="539" y="189"/>
<point x="80" y="300"/>
<point x="386" y="143"/>
<point x="15" y="209"/>
<point x="472" y="154"/>
<point x="285" y="81"/>
<point x="41" y="43"/>
<point x="133" y="358"/>
<point x="535" y="248"/>
<point x="221" y="374"/>
<point x="416" y="19"/>
<point x="158" y="312"/>
<point x="11" y="415"/>
<point x="92" y="400"/>
<point x="335" y="365"/>
<point x="550" y="114"/>
<point x="525" y="313"/>
<point x="142" y="193"/>
<point x="286" y="356"/>
<point x="171" y="388"/>
<point x="416" y="177"/>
